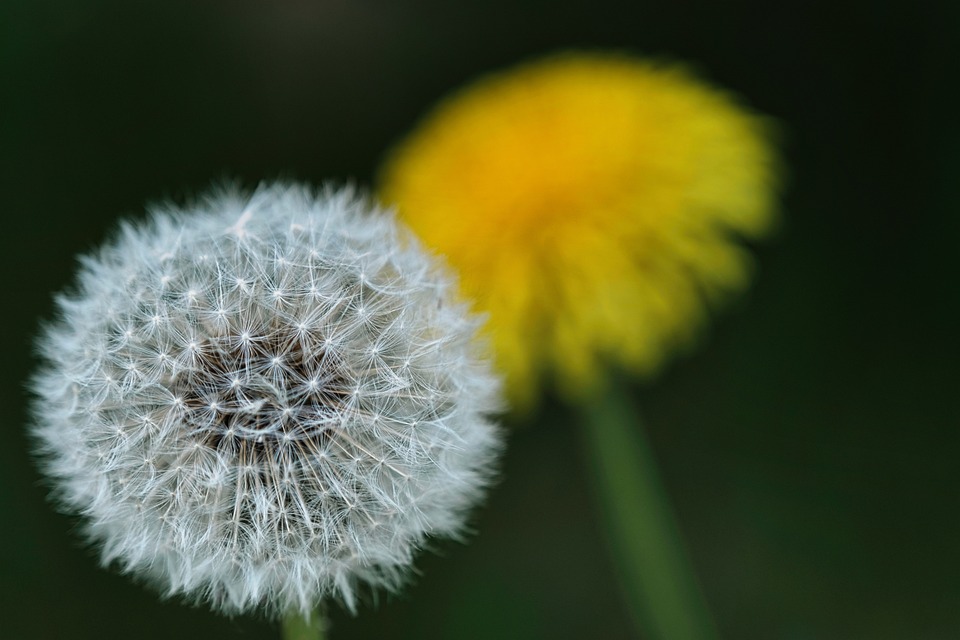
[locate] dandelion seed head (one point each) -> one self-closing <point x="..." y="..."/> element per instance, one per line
<point x="265" y="400"/>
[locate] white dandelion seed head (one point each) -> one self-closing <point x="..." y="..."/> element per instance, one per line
<point x="265" y="401"/>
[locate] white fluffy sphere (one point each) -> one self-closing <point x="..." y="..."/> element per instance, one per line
<point x="266" y="400"/>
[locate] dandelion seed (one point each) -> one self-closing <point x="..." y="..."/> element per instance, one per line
<point x="222" y="431"/>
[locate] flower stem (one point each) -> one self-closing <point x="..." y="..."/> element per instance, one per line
<point x="656" y="574"/>
<point x="296" y="627"/>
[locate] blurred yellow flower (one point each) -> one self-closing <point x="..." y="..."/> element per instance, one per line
<point x="592" y="205"/>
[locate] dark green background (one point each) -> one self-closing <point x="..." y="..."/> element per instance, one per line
<point x="810" y="445"/>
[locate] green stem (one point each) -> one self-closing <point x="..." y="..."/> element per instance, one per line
<point x="296" y="627"/>
<point x="657" y="576"/>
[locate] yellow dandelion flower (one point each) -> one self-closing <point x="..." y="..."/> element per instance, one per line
<point x="592" y="204"/>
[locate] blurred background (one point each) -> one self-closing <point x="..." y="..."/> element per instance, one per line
<point x="810" y="445"/>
